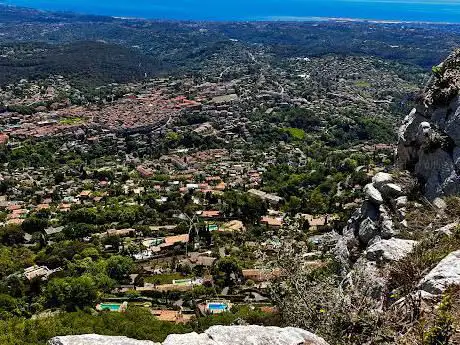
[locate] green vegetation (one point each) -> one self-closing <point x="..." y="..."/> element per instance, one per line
<point x="437" y="70"/>
<point x="87" y="211"/>
<point x="442" y="329"/>
<point x="137" y="323"/>
<point x="296" y="133"/>
<point x="71" y="121"/>
<point x="363" y="84"/>
<point x="160" y="279"/>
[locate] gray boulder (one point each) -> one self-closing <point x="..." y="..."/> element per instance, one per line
<point x="401" y="201"/>
<point x="393" y="249"/>
<point x="373" y="194"/>
<point x="259" y="335"/>
<point x="189" y="339"/>
<point x="216" y="335"/>
<point x="439" y="203"/>
<point x="381" y="179"/>
<point x="368" y="229"/>
<point x="391" y="190"/>
<point x="369" y="210"/>
<point x="446" y="273"/>
<point x="447" y="230"/>
<point x="387" y="227"/>
<point x="437" y="170"/>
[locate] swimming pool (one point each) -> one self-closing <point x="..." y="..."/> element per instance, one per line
<point x="182" y="282"/>
<point x="111" y="307"/>
<point x="217" y="306"/>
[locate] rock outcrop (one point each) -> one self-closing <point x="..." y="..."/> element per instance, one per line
<point x="95" y="339"/>
<point x="216" y="335"/>
<point x="393" y="249"/>
<point x="429" y="138"/>
<point x="374" y="221"/>
<point x="445" y="274"/>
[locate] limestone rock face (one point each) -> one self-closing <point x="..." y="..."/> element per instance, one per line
<point x="216" y="335"/>
<point x="258" y="335"/>
<point x="393" y="249"/>
<point x="381" y="179"/>
<point x="429" y="138"/>
<point x="373" y="194"/>
<point x="367" y="230"/>
<point x="379" y="216"/>
<point x="446" y="273"/>
<point x="95" y="339"/>
<point x="392" y="190"/>
<point x="448" y="229"/>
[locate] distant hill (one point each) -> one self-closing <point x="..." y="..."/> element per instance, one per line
<point x="71" y="44"/>
<point x="83" y="62"/>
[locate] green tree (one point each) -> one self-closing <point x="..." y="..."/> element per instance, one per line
<point x="229" y="267"/>
<point x="34" y="224"/>
<point x="12" y="235"/>
<point x="118" y="267"/>
<point x="71" y="292"/>
<point x="8" y="305"/>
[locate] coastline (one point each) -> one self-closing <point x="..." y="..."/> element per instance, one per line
<point x="261" y="19"/>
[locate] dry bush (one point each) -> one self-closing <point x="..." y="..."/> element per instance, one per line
<point x="343" y="311"/>
<point x="347" y="310"/>
<point x="438" y="324"/>
<point x="453" y="208"/>
<point x="405" y="274"/>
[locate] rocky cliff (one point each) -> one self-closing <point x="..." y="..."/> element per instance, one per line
<point x="429" y="148"/>
<point x="429" y="138"/>
<point x="376" y="225"/>
<point x="216" y="335"/>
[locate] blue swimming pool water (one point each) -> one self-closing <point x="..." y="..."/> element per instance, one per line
<point x="217" y="306"/>
<point x="111" y="307"/>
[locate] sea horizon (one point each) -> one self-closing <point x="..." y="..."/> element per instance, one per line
<point x="399" y="11"/>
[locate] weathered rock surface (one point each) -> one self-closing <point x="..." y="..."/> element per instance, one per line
<point x="381" y="179"/>
<point x="393" y="249"/>
<point x="379" y="217"/>
<point x="429" y="139"/>
<point x="367" y="230"/>
<point x="216" y="335"/>
<point x="373" y="194"/>
<point x="95" y="339"/>
<point x="439" y="203"/>
<point x="447" y="230"/>
<point x="392" y="190"/>
<point x="446" y="273"/>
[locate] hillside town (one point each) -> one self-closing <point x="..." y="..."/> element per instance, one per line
<point x="167" y="176"/>
<point x="160" y="178"/>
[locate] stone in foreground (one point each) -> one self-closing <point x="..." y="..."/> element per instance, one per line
<point x="216" y="335"/>
<point x="381" y="179"/>
<point x="445" y="274"/>
<point x="393" y="249"/>
<point x="373" y="194"/>
<point x="95" y="339"/>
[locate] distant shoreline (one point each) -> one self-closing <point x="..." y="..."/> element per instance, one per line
<point x="358" y="20"/>
<point x="267" y="19"/>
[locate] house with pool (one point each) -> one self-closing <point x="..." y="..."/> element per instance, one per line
<point x="215" y="307"/>
<point x="118" y="307"/>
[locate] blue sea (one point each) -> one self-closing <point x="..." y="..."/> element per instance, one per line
<point x="245" y="10"/>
